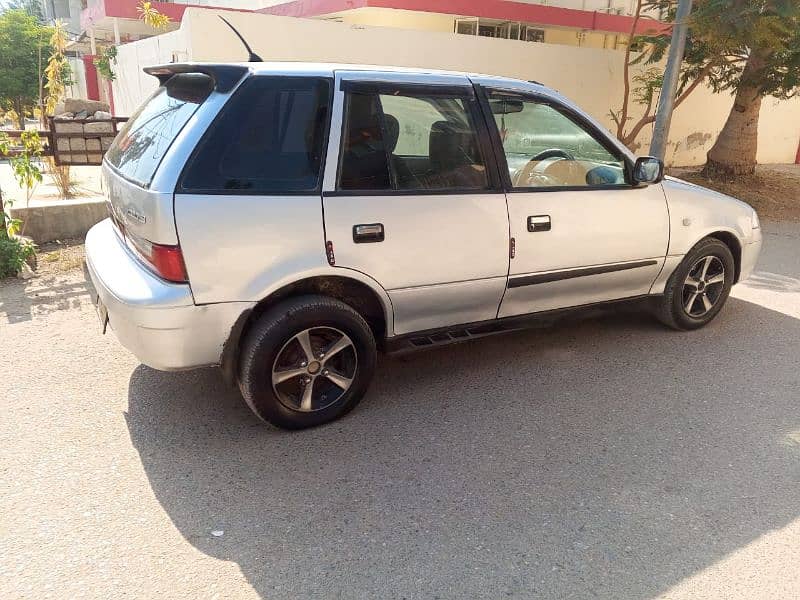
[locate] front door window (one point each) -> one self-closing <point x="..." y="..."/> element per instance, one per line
<point x="545" y="148"/>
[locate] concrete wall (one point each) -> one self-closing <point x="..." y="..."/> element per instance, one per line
<point x="133" y="85"/>
<point x="78" y="88"/>
<point x="60" y="220"/>
<point x="592" y="77"/>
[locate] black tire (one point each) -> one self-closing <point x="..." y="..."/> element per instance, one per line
<point x="268" y="340"/>
<point x="671" y="309"/>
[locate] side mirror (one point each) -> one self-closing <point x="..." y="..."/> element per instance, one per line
<point x="647" y="170"/>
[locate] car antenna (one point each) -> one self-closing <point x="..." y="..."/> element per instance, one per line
<point x="253" y="56"/>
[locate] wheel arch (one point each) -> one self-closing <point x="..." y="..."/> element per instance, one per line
<point x="734" y="245"/>
<point x="364" y="297"/>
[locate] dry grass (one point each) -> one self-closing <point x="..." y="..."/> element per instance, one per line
<point x="60" y="257"/>
<point x="774" y="191"/>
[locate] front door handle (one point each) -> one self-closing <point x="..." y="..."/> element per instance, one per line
<point x="368" y="233"/>
<point x="538" y="223"/>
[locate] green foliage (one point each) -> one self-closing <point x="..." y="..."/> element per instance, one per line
<point x="646" y="86"/>
<point x="103" y="62"/>
<point x="724" y="33"/>
<point x="25" y="165"/>
<point x="13" y="254"/>
<point x="31" y="7"/>
<point x="27" y="172"/>
<point x="5" y="146"/>
<point x="21" y="39"/>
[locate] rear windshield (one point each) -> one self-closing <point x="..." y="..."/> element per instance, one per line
<point x="141" y="144"/>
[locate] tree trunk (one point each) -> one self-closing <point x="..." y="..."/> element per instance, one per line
<point x="734" y="152"/>
<point x="19" y="109"/>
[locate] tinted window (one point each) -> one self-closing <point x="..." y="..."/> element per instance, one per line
<point x="141" y="144"/>
<point x="268" y="139"/>
<point x="546" y="148"/>
<point x="364" y="161"/>
<point x="408" y="141"/>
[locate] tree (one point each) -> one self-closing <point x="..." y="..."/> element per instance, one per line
<point x="32" y="7"/>
<point x="759" y="41"/>
<point x="644" y="87"/>
<point x="58" y="75"/>
<point x="21" y="38"/>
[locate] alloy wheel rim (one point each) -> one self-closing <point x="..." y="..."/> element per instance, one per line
<point x="314" y="369"/>
<point x="703" y="286"/>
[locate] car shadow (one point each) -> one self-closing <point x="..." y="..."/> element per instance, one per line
<point x="608" y="458"/>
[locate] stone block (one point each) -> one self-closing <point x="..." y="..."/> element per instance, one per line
<point x="77" y="144"/>
<point x="105" y="143"/>
<point x="76" y="105"/>
<point x="67" y="127"/>
<point x="62" y="144"/>
<point x="99" y="127"/>
<point x="93" y="144"/>
<point x="95" y="159"/>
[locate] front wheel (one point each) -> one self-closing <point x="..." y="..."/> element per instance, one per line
<point x="306" y="361"/>
<point x="699" y="287"/>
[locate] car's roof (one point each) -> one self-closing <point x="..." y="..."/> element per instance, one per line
<point x="330" y="68"/>
<point x="227" y="74"/>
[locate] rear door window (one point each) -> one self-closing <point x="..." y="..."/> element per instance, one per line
<point x="142" y="143"/>
<point x="408" y="140"/>
<point x="269" y="139"/>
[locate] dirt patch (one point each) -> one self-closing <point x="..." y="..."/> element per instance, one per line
<point x="774" y="191"/>
<point x="60" y="257"/>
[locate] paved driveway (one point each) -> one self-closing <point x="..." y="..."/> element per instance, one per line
<point x="609" y="458"/>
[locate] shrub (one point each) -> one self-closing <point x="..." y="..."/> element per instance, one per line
<point x="13" y="254"/>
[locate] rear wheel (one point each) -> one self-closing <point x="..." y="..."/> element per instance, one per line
<point x="699" y="287"/>
<point x="306" y="361"/>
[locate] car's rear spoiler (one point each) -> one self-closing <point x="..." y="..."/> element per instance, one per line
<point x="225" y="76"/>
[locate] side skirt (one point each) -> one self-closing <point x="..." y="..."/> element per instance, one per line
<point x="441" y="336"/>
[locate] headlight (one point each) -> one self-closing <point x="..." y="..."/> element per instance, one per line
<point x="754" y="219"/>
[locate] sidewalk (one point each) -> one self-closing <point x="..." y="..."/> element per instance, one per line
<point x="88" y="187"/>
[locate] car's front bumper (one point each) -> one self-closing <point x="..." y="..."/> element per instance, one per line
<point x="154" y="319"/>
<point x="750" y="253"/>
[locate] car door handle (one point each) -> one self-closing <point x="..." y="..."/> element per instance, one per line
<point x="368" y="233"/>
<point x="538" y="223"/>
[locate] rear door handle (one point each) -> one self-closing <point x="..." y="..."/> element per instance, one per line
<point x="368" y="233"/>
<point x="539" y="223"/>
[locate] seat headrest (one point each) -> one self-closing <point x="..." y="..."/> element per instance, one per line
<point x="450" y="145"/>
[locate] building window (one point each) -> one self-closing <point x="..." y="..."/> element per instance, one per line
<point x="507" y="30"/>
<point x="531" y="34"/>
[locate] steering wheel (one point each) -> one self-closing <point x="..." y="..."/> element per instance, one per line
<point x="551" y="167"/>
<point x="553" y="153"/>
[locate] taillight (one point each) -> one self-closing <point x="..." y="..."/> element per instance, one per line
<point x="166" y="261"/>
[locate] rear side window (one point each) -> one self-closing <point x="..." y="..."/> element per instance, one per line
<point x="410" y="141"/>
<point x="141" y="144"/>
<point x="269" y="139"/>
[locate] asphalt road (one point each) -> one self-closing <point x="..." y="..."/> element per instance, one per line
<point x="608" y="458"/>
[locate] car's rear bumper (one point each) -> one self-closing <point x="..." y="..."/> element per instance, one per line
<point x="154" y="319"/>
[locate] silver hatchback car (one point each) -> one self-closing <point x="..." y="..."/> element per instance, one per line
<point x="287" y="220"/>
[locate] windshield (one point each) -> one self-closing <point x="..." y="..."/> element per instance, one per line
<point x="142" y="143"/>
